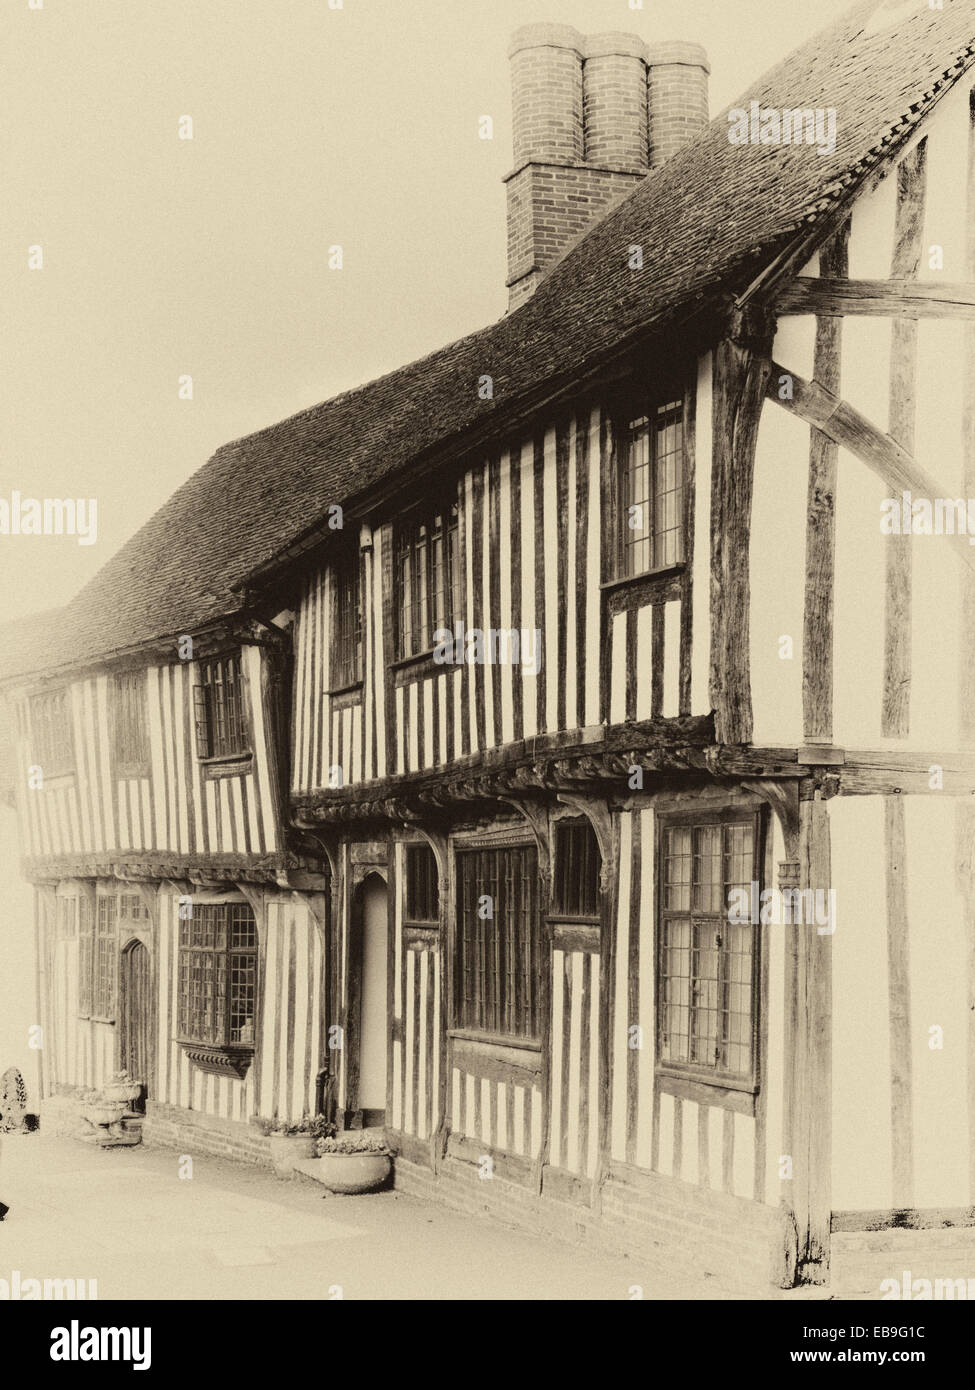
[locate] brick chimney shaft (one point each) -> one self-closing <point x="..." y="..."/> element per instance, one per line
<point x="591" y="117"/>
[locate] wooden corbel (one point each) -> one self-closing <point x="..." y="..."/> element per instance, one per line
<point x="597" y="813"/>
<point x="783" y="797"/>
<point x="536" y="816"/>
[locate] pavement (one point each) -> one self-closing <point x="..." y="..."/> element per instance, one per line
<point x="128" y="1219"/>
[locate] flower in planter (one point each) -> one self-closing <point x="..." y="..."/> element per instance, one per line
<point x="353" y="1142"/>
<point x="279" y="1128"/>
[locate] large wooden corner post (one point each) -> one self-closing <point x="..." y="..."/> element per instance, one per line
<point x="742" y="369"/>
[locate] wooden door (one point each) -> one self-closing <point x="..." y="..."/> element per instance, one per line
<point x="135" y="1015"/>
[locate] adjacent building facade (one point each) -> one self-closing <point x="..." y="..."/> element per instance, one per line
<point x="571" y="767"/>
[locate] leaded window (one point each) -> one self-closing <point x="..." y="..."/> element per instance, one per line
<point x="651" y="503"/>
<point x="427" y="580"/>
<point x="105" y="958"/>
<point x="577" y="867"/>
<point x="86" y="931"/>
<point x="219" y="707"/>
<point x="500" y="951"/>
<point x="422" y="887"/>
<point x="129" y="722"/>
<point x="347" y="626"/>
<point x="708" y="951"/>
<point x="52" y="740"/>
<point x="217" y="983"/>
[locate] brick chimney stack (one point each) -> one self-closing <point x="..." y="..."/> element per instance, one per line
<point x="591" y="117"/>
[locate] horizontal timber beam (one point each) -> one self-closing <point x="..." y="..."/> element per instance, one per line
<point x="845" y="425"/>
<point x="833" y="296"/>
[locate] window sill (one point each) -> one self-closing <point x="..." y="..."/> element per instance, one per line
<point x="409" y="668"/>
<point x="624" y="581"/>
<point x="502" y="1041"/>
<point x="730" y="1095"/>
<point x="129" y="772"/>
<point x="637" y="590"/>
<point x="232" y="1060"/>
<point x="343" y="695"/>
<point x="229" y="765"/>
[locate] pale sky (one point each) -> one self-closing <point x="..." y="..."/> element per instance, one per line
<point x="163" y="257"/>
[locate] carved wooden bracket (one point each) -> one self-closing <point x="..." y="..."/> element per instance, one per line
<point x="536" y="815"/>
<point x="597" y="813"/>
<point x="783" y="797"/>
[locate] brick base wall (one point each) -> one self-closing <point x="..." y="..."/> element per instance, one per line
<point x="660" y="1220"/>
<point x="190" y="1131"/>
<point x="862" y="1260"/>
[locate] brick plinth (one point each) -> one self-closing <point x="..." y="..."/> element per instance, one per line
<point x="192" y="1132"/>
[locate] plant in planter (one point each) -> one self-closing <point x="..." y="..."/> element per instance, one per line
<point x="98" y="1111"/>
<point x="120" y="1086"/>
<point x="291" y="1141"/>
<point x="357" y="1161"/>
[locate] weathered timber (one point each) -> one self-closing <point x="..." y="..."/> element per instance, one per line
<point x="846" y="426"/>
<point x="836" y="297"/>
<point x="905" y="262"/>
<point x="817" y="643"/>
<point x="742" y="371"/>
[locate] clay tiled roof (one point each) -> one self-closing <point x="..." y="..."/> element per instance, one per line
<point x="706" y="220"/>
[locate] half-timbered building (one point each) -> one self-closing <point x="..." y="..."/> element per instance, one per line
<point x="561" y="754"/>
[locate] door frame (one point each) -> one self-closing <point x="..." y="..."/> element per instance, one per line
<point x="132" y="940"/>
<point x="351" y="1115"/>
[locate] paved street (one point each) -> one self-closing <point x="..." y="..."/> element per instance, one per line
<point x="126" y="1218"/>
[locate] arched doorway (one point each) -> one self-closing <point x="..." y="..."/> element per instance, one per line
<point x="135" y="1016"/>
<point x="368" y="1011"/>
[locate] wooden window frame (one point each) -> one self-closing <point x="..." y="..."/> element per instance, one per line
<point x="408" y="646"/>
<point x="627" y="405"/>
<point x="52" y="733"/>
<point x="86" y="951"/>
<point x="210" y="711"/>
<point x="693" y="1078"/>
<point x="215" y="1050"/>
<point x="413" y="916"/>
<point x="533" y="988"/>
<point x="130" y="733"/>
<point x="348" y="621"/>
<point x="562" y="909"/>
<point x="104" y="959"/>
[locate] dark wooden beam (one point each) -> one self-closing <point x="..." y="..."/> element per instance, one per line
<point x="845" y="425"/>
<point x="895" y="719"/>
<point x="742" y="371"/>
<point x="817" y="641"/>
<point x="835" y="296"/>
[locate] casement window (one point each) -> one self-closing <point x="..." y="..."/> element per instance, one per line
<point x="651" y="489"/>
<point x="499" y="944"/>
<point x="130" y="727"/>
<point x="219" y="708"/>
<point x="217" y="978"/>
<point x="104" y="963"/>
<point x="708" y="962"/>
<point x="427" y="579"/>
<point x="86" y="954"/>
<point x="52" y="740"/>
<point x="347" y="626"/>
<point x="577" y="867"/>
<point x="422" y="907"/>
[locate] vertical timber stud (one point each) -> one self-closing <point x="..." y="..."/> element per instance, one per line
<point x="817" y="641"/>
<point x="808" y="1022"/>
<point x="906" y="260"/>
<point x="899" y="997"/>
<point x="742" y="369"/>
<point x="965" y="809"/>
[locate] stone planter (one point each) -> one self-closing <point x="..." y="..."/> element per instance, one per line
<point x="120" y="1092"/>
<point x="289" y="1149"/>
<point x="349" y="1173"/>
<point x="104" y="1113"/>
